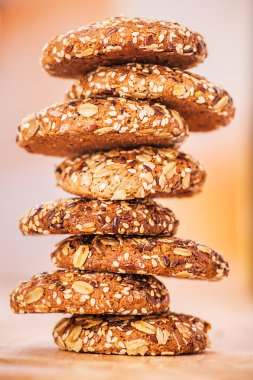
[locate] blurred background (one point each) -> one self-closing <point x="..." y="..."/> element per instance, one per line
<point x="218" y="217"/>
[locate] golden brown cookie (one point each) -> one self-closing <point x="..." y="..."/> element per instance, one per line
<point x="161" y="256"/>
<point x="203" y="105"/>
<point x="164" y="334"/>
<point x="81" y="216"/>
<point x="81" y="126"/>
<point x="129" y="174"/>
<point x="120" y="40"/>
<point x="73" y="291"/>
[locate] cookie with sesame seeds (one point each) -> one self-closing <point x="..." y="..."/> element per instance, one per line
<point x="157" y="255"/>
<point x="82" y="126"/>
<point x="120" y="40"/>
<point x="130" y="174"/>
<point x="165" y="334"/>
<point x="203" y="105"/>
<point x="73" y="291"/>
<point x="82" y="216"/>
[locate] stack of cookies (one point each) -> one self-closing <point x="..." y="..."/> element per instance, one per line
<point x="120" y="127"/>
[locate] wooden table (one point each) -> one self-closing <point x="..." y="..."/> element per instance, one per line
<point x="27" y="350"/>
<point x="37" y="358"/>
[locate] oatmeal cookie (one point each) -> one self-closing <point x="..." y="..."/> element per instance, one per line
<point x="73" y="291"/>
<point x="81" y="216"/>
<point x="89" y="125"/>
<point x="158" y="255"/>
<point x="120" y="40"/>
<point x="203" y="105"/>
<point x="130" y="174"/>
<point x="164" y="334"/>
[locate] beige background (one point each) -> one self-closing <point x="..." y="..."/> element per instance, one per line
<point x="218" y="217"/>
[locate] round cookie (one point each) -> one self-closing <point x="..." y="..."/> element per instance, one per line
<point x="165" y="334"/>
<point x="129" y="174"/>
<point x="82" y="126"/>
<point x="161" y="256"/>
<point x="72" y="291"/>
<point x="203" y="105"/>
<point x="119" y="40"/>
<point x="81" y="216"/>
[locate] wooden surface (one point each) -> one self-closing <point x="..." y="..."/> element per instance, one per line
<point x="27" y="350"/>
<point x="33" y="357"/>
<point x="48" y="363"/>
